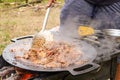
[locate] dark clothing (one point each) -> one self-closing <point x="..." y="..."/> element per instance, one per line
<point x="102" y="2"/>
<point x="76" y="13"/>
<point x="79" y="12"/>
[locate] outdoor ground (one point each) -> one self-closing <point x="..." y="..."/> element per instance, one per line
<point x="24" y="21"/>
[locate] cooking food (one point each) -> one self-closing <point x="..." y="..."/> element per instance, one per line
<point x="38" y="42"/>
<point x="53" y="55"/>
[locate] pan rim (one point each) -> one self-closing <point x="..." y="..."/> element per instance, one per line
<point x="12" y="61"/>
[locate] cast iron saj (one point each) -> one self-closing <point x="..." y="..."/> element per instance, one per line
<point x="22" y="44"/>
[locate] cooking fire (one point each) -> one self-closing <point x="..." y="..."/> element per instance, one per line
<point x="14" y="73"/>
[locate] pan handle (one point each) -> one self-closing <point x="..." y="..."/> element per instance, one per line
<point x="77" y="71"/>
<point x="22" y="37"/>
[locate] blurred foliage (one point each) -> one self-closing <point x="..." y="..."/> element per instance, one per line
<point x="12" y="0"/>
<point x="23" y="0"/>
<point x="23" y="21"/>
<point x="5" y="4"/>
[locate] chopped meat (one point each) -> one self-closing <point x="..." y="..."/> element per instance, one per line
<point x="53" y="55"/>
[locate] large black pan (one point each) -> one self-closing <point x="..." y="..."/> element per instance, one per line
<point x="22" y="44"/>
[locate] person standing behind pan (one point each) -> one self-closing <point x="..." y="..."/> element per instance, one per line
<point x="99" y="14"/>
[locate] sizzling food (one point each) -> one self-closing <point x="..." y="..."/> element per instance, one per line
<point x="53" y="55"/>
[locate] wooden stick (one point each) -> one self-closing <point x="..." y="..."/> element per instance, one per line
<point x="117" y="76"/>
<point x="6" y="71"/>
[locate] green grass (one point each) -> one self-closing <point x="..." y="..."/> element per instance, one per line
<point x="23" y="0"/>
<point x="12" y="0"/>
<point x="5" y="39"/>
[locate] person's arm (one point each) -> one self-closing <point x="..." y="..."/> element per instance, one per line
<point x="50" y="2"/>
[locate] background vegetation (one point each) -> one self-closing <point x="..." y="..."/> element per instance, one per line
<point x="25" y="20"/>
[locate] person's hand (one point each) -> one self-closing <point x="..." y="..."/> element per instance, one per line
<point x="50" y="2"/>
